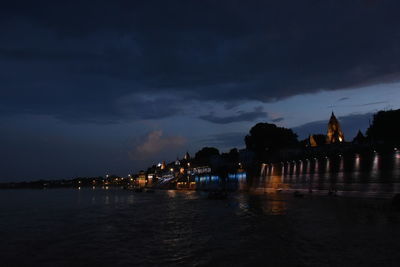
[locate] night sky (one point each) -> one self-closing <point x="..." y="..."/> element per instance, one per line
<point x="95" y="87"/>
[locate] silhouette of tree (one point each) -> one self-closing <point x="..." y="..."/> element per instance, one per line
<point x="320" y="139"/>
<point x="266" y="139"/>
<point x="233" y="155"/>
<point x="385" y="128"/>
<point x="204" y="155"/>
<point x="359" y="139"/>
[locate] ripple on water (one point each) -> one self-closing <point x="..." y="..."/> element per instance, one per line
<point x="122" y="228"/>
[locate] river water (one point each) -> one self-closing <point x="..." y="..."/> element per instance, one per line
<point x="371" y="174"/>
<point x="114" y="227"/>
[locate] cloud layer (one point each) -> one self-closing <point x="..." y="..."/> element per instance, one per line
<point x="240" y="116"/>
<point x="155" y="143"/>
<point x="104" y="73"/>
<point x="226" y="51"/>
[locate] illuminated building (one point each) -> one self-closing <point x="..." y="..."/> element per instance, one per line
<point x="141" y="180"/>
<point x="150" y="178"/>
<point x="163" y="165"/>
<point x="312" y="141"/>
<point x="201" y="170"/>
<point x="334" y="134"/>
<point x="187" y="156"/>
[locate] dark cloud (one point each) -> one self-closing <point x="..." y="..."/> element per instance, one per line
<point x="239" y="117"/>
<point x="278" y="119"/>
<point x="155" y="107"/>
<point x="364" y="104"/>
<point x="350" y="125"/>
<point x="226" y="51"/>
<point x="374" y="103"/>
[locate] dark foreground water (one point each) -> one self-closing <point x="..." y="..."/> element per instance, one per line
<point x="67" y="227"/>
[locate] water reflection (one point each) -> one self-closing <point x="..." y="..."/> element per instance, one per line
<point x="396" y="169"/>
<point x="373" y="172"/>
<point x="356" y="171"/>
<point x="162" y="231"/>
<point x="171" y="193"/>
<point x="259" y="204"/>
<point x="130" y="200"/>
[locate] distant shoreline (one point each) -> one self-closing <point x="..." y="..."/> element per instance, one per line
<point x="301" y="193"/>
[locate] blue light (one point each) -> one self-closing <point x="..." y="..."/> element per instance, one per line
<point x="214" y="178"/>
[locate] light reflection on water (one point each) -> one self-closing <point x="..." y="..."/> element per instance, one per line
<point x="67" y="227"/>
<point x="101" y="227"/>
<point x="363" y="173"/>
<point x="396" y="169"/>
<point x="261" y="204"/>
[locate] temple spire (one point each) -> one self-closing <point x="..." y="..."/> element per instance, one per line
<point x="334" y="133"/>
<point x="187" y="156"/>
